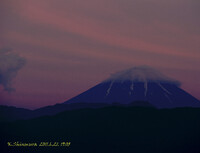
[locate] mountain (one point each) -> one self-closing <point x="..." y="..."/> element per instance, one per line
<point x="138" y="84"/>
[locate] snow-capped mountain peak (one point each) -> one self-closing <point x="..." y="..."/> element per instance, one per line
<point x="141" y="83"/>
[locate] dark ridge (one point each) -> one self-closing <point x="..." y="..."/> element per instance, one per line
<point x="114" y="129"/>
<point x="8" y="113"/>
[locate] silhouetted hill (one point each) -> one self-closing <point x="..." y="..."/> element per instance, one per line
<point x="113" y="129"/>
<point x="8" y="113"/>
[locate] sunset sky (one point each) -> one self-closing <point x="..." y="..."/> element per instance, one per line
<point x="71" y="45"/>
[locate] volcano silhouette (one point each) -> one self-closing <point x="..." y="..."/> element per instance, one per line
<point x="138" y="84"/>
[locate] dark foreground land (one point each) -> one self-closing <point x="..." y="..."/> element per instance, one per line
<point x="108" y="130"/>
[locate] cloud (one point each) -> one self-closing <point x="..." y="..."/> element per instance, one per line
<point x="10" y="64"/>
<point x="142" y="74"/>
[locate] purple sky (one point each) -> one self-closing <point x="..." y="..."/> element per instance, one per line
<point x="71" y="45"/>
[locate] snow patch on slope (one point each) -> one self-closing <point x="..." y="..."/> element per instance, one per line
<point x="108" y="91"/>
<point x="145" y="88"/>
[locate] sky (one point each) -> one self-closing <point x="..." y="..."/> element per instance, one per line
<point x="64" y="47"/>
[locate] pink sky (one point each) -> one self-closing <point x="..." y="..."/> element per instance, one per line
<point x="71" y="45"/>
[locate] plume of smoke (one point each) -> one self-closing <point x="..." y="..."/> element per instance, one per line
<point x="10" y="64"/>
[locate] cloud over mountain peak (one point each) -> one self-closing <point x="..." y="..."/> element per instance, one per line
<point x="141" y="74"/>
